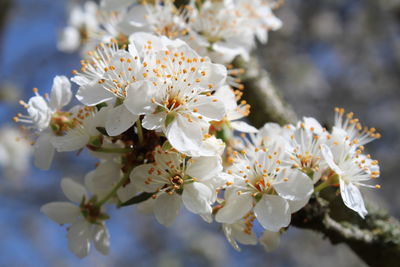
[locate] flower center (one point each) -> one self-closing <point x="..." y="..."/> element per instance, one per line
<point x="60" y="122"/>
<point x="173" y="103"/>
<point x="176" y="180"/>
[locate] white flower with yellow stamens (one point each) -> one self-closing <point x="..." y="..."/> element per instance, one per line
<point x="259" y="17"/>
<point x="304" y="151"/>
<point x="262" y="183"/>
<point x="45" y="117"/>
<point x="105" y="78"/>
<point x="355" y="133"/>
<point x="85" y="217"/>
<point x="226" y="29"/>
<point x="83" y="129"/>
<point x="175" y="95"/>
<point x="350" y="170"/>
<point x="173" y="178"/>
<point x="82" y="21"/>
<point x="160" y="17"/>
<point x="240" y="232"/>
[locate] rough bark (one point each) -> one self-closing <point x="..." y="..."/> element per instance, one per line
<point x="376" y="240"/>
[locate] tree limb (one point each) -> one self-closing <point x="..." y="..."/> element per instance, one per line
<point x="376" y="240"/>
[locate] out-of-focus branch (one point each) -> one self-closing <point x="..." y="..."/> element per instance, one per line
<point x="5" y="6"/>
<point x="267" y="103"/>
<point x="376" y="240"/>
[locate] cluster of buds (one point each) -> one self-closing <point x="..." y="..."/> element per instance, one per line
<point x="161" y="118"/>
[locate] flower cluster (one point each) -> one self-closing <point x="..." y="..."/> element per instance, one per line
<point x="161" y="117"/>
<point x="220" y="30"/>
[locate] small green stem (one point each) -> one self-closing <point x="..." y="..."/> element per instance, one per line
<point x="321" y="186"/>
<point x="110" y="150"/>
<point x="114" y="190"/>
<point x="139" y="131"/>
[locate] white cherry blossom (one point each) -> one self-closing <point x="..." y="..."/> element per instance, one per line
<point x="349" y="174"/>
<point x="15" y="153"/>
<point x="85" y="226"/>
<point x="46" y="118"/>
<point x="240" y="232"/>
<point x="177" y="92"/>
<point x="174" y="179"/>
<point x="263" y="183"/>
<point x="83" y="129"/>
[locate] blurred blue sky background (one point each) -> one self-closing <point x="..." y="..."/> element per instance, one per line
<point x="337" y="53"/>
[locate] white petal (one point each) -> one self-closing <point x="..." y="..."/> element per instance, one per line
<point x="215" y="74"/>
<point x="146" y="207"/>
<point x="60" y="92"/>
<point x="352" y="198"/>
<point x="127" y="192"/>
<point x="101" y="239"/>
<point x="153" y="121"/>
<point x="72" y="141"/>
<point x="211" y="147"/>
<point x="79" y="236"/>
<point x="229" y="52"/>
<point x="139" y="176"/>
<point x="119" y="120"/>
<point x="138" y="19"/>
<point x="313" y="123"/>
<point x="39" y="111"/>
<point x="68" y="39"/>
<point x="106" y="175"/>
<point x="73" y="190"/>
<point x="111" y="5"/>
<point x="328" y="156"/>
<point x="141" y="39"/>
<point x="236" y="207"/>
<point x="61" y="212"/>
<point x="197" y="197"/>
<point x="229" y="236"/>
<point x="272" y="212"/>
<point x="43" y="152"/>
<point x="270" y="240"/>
<point x="93" y="93"/>
<point x="166" y="208"/>
<point x="244" y="127"/>
<point x="298" y="185"/>
<point x="241" y="236"/>
<point x="138" y="97"/>
<point x="296" y="205"/>
<point x="227" y="96"/>
<point x="204" y="167"/>
<point x="186" y="136"/>
<point x="208" y="108"/>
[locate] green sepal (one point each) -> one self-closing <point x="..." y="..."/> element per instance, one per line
<point x="136" y="199"/>
<point x="166" y="146"/>
<point x="96" y="141"/>
<point x="170" y="118"/>
<point x="258" y="197"/>
<point x="102" y="130"/>
<point x="101" y="105"/>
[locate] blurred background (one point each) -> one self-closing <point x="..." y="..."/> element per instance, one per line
<point x="329" y="53"/>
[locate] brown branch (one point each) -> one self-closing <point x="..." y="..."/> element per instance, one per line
<point x="267" y="104"/>
<point x="376" y="240"/>
<point x="5" y="6"/>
